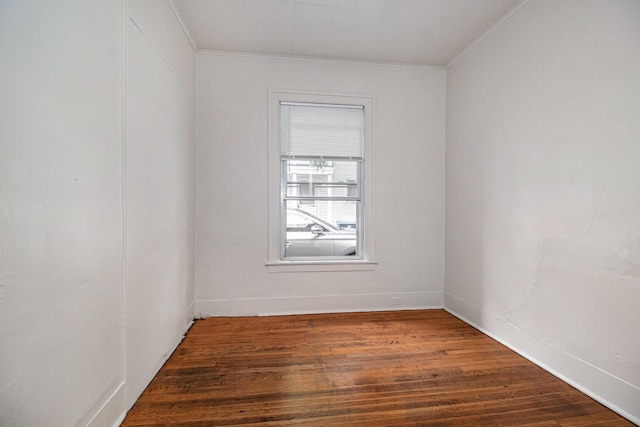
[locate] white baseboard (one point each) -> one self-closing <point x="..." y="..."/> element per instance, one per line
<point x="189" y="315"/>
<point x="112" y="412"/>
<point x="319" y="304"/>
<point x="611" y="391"/>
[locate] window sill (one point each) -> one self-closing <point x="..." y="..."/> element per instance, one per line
<point x="304" y="266"/>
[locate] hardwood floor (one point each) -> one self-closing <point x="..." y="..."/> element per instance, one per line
<point x="420" y="368"/>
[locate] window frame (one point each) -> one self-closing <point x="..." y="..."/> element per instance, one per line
<point x="365" y="260"/>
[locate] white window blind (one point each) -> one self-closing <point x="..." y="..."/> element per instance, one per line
<point x="321" y="130"/>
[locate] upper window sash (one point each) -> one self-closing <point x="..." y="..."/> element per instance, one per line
<point x="348" y="189"/>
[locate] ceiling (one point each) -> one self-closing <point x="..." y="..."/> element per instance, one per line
<point x="425" y="32"/>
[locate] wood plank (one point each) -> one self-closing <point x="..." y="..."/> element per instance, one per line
<point x="400" y="368"/>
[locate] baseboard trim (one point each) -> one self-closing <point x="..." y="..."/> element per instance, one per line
<point x="319" y="304"/>
<point x="189" y="315"/>
<point x="112" y="412"/>
<point x="589" y="379"/>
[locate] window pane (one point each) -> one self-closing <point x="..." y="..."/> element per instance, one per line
<point x="306" y="178"/>
<point x="322" y="228"/>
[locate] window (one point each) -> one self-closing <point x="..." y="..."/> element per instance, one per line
<point x="320" y="204"/>
<point x="320" y="152"/>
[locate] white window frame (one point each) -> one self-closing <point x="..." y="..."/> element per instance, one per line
<point x="366" y="260"/>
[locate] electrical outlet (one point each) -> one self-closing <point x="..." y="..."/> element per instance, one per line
<point x="396" y="301"/>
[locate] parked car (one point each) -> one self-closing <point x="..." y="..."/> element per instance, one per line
<point x="308" y="235"/>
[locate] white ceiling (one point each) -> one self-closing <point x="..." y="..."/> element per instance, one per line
<point x="427" y="32"/>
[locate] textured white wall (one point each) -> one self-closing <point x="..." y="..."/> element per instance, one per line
<point x="232" y="200"/>
<point x="60" y="210"/>
<point x="155" y="239"/>
<point x="157" y="21"/>
<point x="543" y="191"/>
<point x="160" y="79"/>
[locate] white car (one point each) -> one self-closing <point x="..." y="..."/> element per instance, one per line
<point x="309" y="236"/>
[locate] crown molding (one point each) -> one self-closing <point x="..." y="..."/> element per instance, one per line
<point x="482" y="36"/>
<point x="183" y="25"/>
<point x="319" y="59"/>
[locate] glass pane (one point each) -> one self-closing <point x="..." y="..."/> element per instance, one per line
<point x="321" y="228"/>
<point x="308" y="178"/>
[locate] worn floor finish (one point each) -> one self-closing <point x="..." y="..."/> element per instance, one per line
<point x="420" y="368"/>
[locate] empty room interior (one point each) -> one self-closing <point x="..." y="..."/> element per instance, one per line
<point x="156" y="157"/>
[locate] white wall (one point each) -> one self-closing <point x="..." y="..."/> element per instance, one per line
<point x="93" y="298"/>
<point x="157" y="21"/>
<point x="160" y="78"/>
<point x="232" y="200"/>
<point x="543" y="191"/>
<point x="60" y="210"/>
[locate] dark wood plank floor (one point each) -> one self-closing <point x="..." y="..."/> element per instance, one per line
<point x="420" y="368"/>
